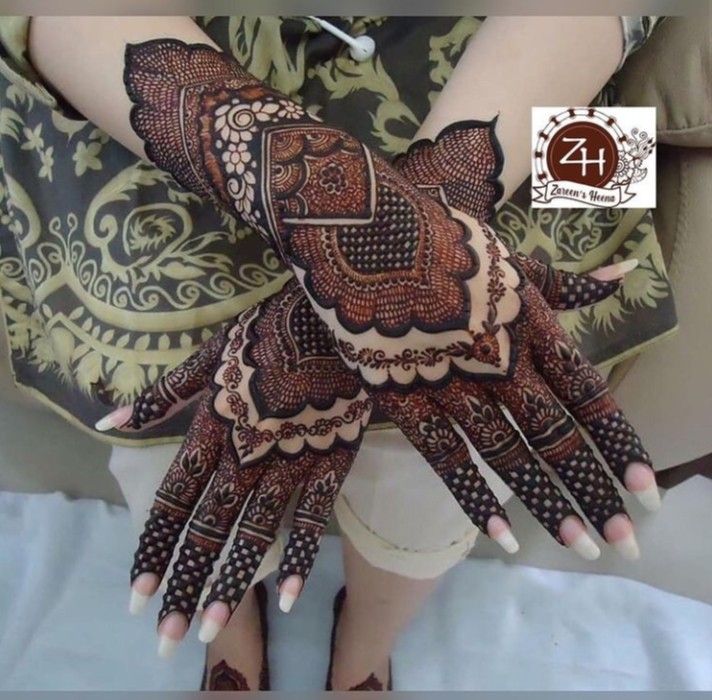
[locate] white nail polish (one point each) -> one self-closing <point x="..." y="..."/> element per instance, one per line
<point x="584" y="546"/>
<point x="286" y="601"/>
<point x="627" y="547"/>
<point x="105" y="423"/>
<point x="137" y="602"/>
<point x="507" y="541"/>
<point x="209" y="629"/>
<point x="649" y="498"/>
<point x="166" y="646"/>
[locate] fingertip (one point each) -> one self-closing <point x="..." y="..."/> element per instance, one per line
<point x="114" y="419"/>
<point x="614" y="272"/>
<point x="573" y="533"/>
<point x="639" y="479"/>
<point x="145" y="583"/>
<point x="619" y="533"/>
<point x="289" y="591"/>
<point x="171" y="631"/>
<point x="137" y="602"/>
<point x="214" y="618"/>
<point x="498" y="529"/>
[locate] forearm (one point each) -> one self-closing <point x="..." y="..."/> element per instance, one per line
<point x="334" y="211"/>
<point x="516" y="63"/>
<point x="512" y="64"/>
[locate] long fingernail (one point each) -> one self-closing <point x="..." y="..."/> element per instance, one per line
<point x="507" y="541"/>
<point x="616" y="271"/>
<point x="286" y="601"/>
<point x="166" y="646"/>
<point x="137" y="602"/>
<point x="113" y="419"/>
<point x="584" y="546"/>
<point x="649" y="498"/>
<point x="498" y="529"/>
<point x="627" y="547"/>
<point x="209" y="629"/>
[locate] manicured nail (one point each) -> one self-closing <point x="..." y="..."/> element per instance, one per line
<point x="584" y="546"/>
<point x="616" y="271"/>
<point x="507" y="541"/>
<point x="166" y="646"/>
<point x="498" y="529"/>
<point x="214" y="618"/>
<point x="286" y="601"/>
<point x="639" y="479"/>
<point x="113" y="419"/>
<point x="289" y="591"/>
<point x="209" y="629"/>
<point x="137" y="602"/>
<point x="627" y="547"/>
<point x="649" y="498"/>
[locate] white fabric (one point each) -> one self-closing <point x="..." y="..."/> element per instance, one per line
<point x="64" y="625"/>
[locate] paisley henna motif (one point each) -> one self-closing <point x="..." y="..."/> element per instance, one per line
<point x="249" y="447"/>
<point x="421" y="300"/>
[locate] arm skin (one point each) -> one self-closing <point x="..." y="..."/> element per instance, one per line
<point x="514" y="63"/>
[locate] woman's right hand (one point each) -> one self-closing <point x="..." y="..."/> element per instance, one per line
<point x="280" y="411"/>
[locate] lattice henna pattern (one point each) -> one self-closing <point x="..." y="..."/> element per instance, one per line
<point x="405" y="287"/>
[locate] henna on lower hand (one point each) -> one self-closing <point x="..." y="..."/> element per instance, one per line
<point x="281" y="410"/>
<point x="416" y="292"/>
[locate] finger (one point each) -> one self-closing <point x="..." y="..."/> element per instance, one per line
<point x="176" y="497"/>
<point x="431" y="433"/>
<point x="311" y="516"/>
<point x="172" y="392"/>
<point x="256" y="532"/>
<point x="500" y="445"/>
<point x="554" y="435"/>
<point x="207" y="533"/>
<point x="569" y="290"/>
<point x="584" y="392"/>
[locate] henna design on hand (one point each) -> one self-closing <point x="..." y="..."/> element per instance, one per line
<point x="419" y="296"/>
<point x="224" y="677"/>
<point x="460" y="167"/>
<point x="178" y="387"/>
<point x="283" y="410"/>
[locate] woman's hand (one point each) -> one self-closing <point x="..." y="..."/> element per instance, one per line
<point x="282" y="411"/>
<point x="276" y="359"/>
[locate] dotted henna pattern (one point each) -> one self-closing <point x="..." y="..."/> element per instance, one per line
<point x="423" y="303"/>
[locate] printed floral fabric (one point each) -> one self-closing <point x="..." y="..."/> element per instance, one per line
<point x="111" y="272"/>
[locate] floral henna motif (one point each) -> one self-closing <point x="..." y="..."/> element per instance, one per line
<point x="418" y="295"/>
<point x="280" y="389"/>
<point x="178" y="386"/>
